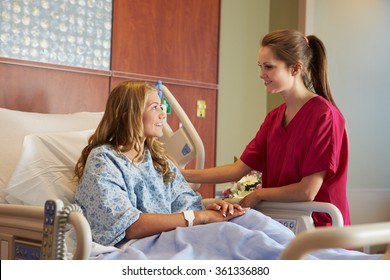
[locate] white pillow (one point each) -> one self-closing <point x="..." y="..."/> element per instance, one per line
<point x="14" y="125"/>
<point x="46" y="167"/>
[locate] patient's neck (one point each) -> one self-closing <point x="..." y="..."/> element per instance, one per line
<point x="133" y="157"/>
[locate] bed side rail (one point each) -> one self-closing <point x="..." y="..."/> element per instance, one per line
<point x="307" y="207"/>
<point x="83" y="234"/>
<point x="294" y="215"/>
<point x="346" y="237"/>
<point x="184" y="144"/>
<point x="21" y="232"/>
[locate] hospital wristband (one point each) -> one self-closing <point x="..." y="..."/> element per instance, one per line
<point x="189" y="216"/>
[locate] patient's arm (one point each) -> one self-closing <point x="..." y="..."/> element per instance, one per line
<point x="150" y="224"/>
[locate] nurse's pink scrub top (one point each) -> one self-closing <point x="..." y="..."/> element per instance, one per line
<point x="314" y="140"/>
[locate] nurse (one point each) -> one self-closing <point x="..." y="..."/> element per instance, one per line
<point x="301" y="148"/>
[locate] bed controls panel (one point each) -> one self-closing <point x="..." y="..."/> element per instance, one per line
<point x="295" y="220"/>
<point x="289" y="223"/>
<point x="13" y="247"/>
<point x="27" y="251"/>
<point x="50" y="229"/>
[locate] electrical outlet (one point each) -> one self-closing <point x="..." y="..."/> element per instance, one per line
<point x="201" y="108"/>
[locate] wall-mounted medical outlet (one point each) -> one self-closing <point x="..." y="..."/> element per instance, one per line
<point x="201" y="108"/>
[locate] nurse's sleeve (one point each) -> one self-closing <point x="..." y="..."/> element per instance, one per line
<point x="104" y="199"/>
<point x="255" y="153"/>
<point x="325" y="147"/>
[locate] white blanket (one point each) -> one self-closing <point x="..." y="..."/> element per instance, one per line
<point x="246" y="237"/>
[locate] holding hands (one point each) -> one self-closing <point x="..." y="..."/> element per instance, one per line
<point x="220" y="211"/>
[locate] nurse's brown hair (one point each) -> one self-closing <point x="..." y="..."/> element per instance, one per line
<point x="292" y="47"/>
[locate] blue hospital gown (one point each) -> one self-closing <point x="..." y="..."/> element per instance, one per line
<point x="113" y="192"/>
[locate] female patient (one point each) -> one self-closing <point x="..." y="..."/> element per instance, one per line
<point x="302" y="147"/>
<point x="129" y="189"/>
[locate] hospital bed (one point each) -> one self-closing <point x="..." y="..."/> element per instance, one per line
<point x="47" y="148"/>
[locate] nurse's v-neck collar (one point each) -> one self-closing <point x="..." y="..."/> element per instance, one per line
<point x="293" y="120"/>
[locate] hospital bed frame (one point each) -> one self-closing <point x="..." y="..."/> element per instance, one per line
<point x="21" y="232"/>
<point x="22" y="226"/>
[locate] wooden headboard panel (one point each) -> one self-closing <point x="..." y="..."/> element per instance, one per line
<point x="46" y="88"/>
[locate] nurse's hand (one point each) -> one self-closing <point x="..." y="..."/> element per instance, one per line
<point x="251" y="200"/>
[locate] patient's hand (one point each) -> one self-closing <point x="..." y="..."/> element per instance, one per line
<point x="212" y="216"/>
<point x="226" y="210"/>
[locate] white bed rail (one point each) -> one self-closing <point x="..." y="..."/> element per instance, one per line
<point x="347" y="237"/>
<point x="83" y="236"/>
<point x="21" y="232"/>
<point x="184" y="144"/>
<point x="307" y="207"/>
<point x="294" y="215"/>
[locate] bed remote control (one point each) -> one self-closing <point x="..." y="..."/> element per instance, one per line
<point x="50" y="229"/>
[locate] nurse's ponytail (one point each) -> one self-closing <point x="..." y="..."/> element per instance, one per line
<point x="318" y="68"/>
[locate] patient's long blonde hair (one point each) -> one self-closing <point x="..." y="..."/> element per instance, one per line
<point x="122" y="128"/>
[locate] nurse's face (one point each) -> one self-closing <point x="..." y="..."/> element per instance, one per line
<point x="276" y="74"/>
<point x="153" y="115"/>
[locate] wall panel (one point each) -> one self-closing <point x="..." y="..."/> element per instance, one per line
<point x="47" y="88"/>
<point x="177" y="42"/>
<point x="167" y="38"/>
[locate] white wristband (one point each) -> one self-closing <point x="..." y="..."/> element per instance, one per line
<point x="189" y="216"/>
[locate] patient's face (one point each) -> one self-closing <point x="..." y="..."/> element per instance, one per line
<point x="153" y="115"/>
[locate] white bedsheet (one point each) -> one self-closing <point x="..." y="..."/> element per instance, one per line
<point x="219" y="241"/>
